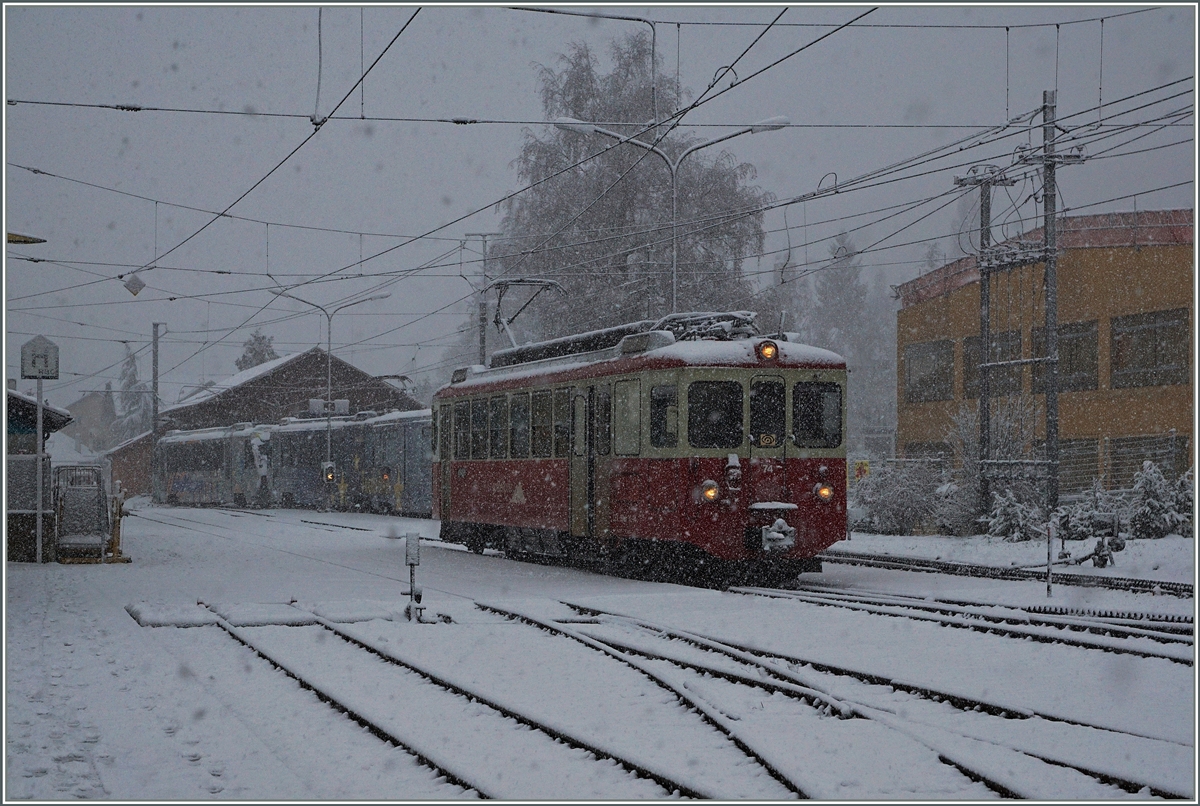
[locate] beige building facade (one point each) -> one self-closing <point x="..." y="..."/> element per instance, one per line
<point x="1126" y="339"/>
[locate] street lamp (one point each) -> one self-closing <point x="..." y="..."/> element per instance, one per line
<point x="329" y="359"/>
<point x="579" y="127"/>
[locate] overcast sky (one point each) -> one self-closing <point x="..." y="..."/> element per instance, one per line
<point x="390" y="165"/>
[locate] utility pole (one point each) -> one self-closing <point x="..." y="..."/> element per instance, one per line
<point x="483" y="294"/>
<point x="984" y="177"/>
<point x="154" y="411"/>
<point x="1050" y="284"/>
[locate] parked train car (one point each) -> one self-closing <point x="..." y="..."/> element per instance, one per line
<point x="690" y="443"/>
<point x="380" y="463"/>
<point x="225" y="465"/>
<point x="399" y="455"/>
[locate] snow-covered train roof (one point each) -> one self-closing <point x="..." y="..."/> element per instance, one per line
<point x="216" y="432"/>
<point x="656" y="349"/>
<point x="398" y="416"/>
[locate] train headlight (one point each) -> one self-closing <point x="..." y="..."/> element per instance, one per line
<point x="710" y="490"/>
<point x="824" y="492"/>
<point x="767" y="350"/>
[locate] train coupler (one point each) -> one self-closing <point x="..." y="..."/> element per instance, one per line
<point x="778" y="536"/>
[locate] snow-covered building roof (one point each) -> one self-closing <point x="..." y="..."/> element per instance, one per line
<point x="22" y="414"/>
<point x="234" y="381"/>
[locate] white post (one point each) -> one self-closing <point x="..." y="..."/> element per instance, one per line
<point x="40" y="480"/>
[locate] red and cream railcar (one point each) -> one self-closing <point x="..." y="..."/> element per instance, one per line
<point x="687" y="443"/>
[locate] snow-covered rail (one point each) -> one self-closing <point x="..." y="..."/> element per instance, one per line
<point x="1012" y="750"/>
<point x="1181" y="589"/>
<point x="1092" y="633"/>
<point x="472" y="742"/>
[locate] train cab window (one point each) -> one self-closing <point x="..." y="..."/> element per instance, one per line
<point x="715" y="414"/>
<point x="446" y="432"/>
<point x="603" y="414"/>
<point x="664" y="416"/>
<point x="518" y="426"/>
<point x="543" y="424"/>
<point x="247" y="456"/>
<point x="817" y="414"/>
<point x="627" y="418"/>
<point x="767" y="410"/>
<point x="498" y="427"/>
<point x="479" y="428"/>
<point x="562" y="421"/>
<point x="462" y="430"/>
<point x="433" y="433"/>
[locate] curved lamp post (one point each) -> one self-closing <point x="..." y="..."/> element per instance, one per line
<point x="329" y="358"/>
<point x="579" y="127"/>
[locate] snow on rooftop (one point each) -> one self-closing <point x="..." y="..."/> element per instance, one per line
<point x="234" y="381"/>
<point x="32" y="400"/>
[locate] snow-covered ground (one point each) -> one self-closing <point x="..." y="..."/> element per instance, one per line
<point x="99" y="706"/>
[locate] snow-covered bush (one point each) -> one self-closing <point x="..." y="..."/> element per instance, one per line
<point x="1090" y="515"/>
<point x="898" y="497"/>
<point x="1015" y="520"/>
<point x="1184" y="504"/>
<point x="1153" y="513"/>
<point x="1011" y="433"/>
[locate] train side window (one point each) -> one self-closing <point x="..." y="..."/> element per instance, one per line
<point x="715" y="414"/>
<point x="433" y="433"/>
<point x="562" y="422"/>
<point x="447" y="432"/>
<point x="479" y="428"/>
<point x="580" y="421"/>
<point x="543" y="433"/>
<point x="518" y="430"/>
<point x="462" y="430"/>
<point x="603" y="414"/>
<point x="817" y="414"/>
<point x="664" y="416"/>
<point x="627" y="418"/>
<point x="498" y="427"/>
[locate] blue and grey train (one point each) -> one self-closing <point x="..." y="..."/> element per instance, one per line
<point x="377" y="463"/>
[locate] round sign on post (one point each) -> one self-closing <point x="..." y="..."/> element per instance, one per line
<point x="39" y="361"/>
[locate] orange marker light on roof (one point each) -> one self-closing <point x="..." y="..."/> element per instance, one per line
<point x="768" y="351"/>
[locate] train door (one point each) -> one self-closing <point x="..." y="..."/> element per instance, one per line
<point x="767" y="437"/>
<point x="445" y="446"/>
<point x="583" y="463"/>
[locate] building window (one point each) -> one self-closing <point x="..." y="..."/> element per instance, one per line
<point x="1077" y="357"/>
<point x="929" y="371"/>
<point x="664" y="416"/>
<point x="1151" y="349"/>
<point x="1006" y="346"/>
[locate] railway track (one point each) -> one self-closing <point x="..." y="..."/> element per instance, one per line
<point x="1169" y="640"/>
<point x="475" y="743"/>
<point x="1014" y="751"/>
<point x="1180" y="589"/>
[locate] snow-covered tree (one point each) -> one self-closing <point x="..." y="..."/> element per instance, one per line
<point x="898" y="497"/>
<point x="136" y="406"/>
<point x="1015" y="520"/>
<point x="1153" y="505"/>
<point x="603" y="228"/>
<point x="1185" y="504"/>
<point x="857" y="319"/>
<point x="1012" y="419"/>
<point x="256" y="350"/>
